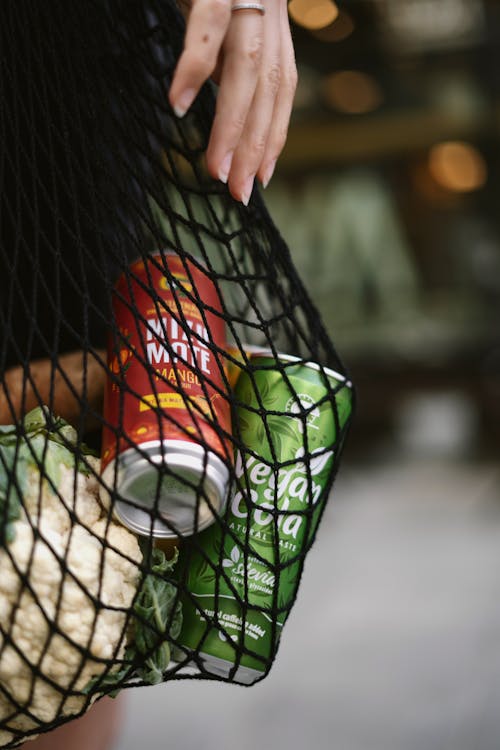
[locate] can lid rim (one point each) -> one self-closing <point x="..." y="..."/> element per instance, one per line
<point x="268" y="354"/>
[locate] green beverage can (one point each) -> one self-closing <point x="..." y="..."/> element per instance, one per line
<point x="241" y="576"/>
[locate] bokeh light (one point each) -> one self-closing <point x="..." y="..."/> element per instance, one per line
<point x="313" y="14"/>
<point x="341" y="28"/>
<point x="352" y="92"/>
<point x="457" y="166"/>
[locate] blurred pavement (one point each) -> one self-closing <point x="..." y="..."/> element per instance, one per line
<point x="394" y="641"/>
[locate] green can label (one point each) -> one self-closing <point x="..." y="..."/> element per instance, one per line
<point x="242" y="574"/>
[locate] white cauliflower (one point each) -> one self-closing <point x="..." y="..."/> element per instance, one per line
<point x="69" y="575"/>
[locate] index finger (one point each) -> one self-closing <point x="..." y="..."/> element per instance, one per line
<point x="206" y="29"/>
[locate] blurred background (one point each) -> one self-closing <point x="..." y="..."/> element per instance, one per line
<point x="387" y="195"/>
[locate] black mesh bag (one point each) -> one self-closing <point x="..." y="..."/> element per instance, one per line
<point x="171" y="410"/>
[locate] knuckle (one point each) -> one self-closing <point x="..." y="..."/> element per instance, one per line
<point x="236" y="123"/>
<point x="253" y="52"/>
<point x="274" y="78"/>
<point x="255" y="147"/>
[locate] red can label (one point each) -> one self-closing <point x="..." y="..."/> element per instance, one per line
<point x="165" y="380"/>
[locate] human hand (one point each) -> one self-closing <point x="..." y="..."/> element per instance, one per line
<point x="250" y="55"/>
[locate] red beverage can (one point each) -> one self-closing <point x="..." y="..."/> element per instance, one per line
<point x="165" y="450"/>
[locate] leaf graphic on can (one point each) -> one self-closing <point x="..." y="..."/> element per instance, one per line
<point x="318" y="463"/>
<point x="261" y="391"/>
<point x="246" y="393"/>
<point x="244" y="423"/>
<point x="288" y="584"/>
<point x="205" y="571"/>
<point x="277" y="443"/>
<point x="261" y="433"/>
<point x="284" y="427"/>
<point x="271" y="398"/>
<point x="234" y="558"/>
<point x="264" y="387"/>
<point x="285" y="436"/>
<point x="318" y="459"/>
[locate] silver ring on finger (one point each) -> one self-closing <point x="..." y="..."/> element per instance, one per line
<point x="249" y="6"/>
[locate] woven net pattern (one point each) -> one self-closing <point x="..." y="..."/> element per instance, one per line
<point x="142" y="310"/>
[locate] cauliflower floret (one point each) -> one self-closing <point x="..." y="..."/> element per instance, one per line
<point x="52" y="634"/>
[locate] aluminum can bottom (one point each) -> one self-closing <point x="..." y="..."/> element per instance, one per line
<point x="168" y="489"/>
<point x="225" y="669"/>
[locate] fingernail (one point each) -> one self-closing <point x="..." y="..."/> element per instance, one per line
<point x="247" y="190"/>
<point x="225" y="167"/>
<point x="184" y="102"/>
<point x="268" y="174"/>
